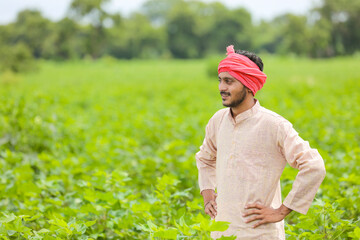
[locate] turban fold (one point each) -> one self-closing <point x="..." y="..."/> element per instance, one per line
<point x="243" y="69"/>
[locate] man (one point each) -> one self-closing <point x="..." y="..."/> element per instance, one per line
<point x="245" y="150"/>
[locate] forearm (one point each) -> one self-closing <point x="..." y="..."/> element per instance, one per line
<point x="308" y="161"/>
<point x="206" y="171"/>
<point x="305" y="186"/>
<point x="284" y="210"/>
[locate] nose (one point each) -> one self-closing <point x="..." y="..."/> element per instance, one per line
<point x="222" y="86"/>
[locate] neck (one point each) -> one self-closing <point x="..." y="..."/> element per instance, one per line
<point x="248" y="103"/>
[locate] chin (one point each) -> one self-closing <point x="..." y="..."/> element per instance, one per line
<point x="225" y="104"/>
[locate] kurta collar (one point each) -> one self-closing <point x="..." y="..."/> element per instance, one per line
<point x="246" y="114"/>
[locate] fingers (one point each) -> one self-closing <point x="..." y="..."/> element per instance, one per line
<point x="211" y="209"/>
<point x="254" y="205"/>
<point x="259" y="223"/>
<point x="257" y="217"/>
<point x="258" y="210"/>
<point x="251" y="212"/>
<point x="262" y="213"/>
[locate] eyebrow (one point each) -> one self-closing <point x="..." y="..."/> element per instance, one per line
<point x="226" y="78"/>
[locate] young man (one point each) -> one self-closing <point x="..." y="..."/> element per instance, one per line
<point x="245" y="150"/>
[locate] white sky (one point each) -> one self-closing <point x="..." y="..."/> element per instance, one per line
<point x="56" y="9"/>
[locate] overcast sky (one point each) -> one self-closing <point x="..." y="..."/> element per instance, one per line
<point x="56" y="9"/>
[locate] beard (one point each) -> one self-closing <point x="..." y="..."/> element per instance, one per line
<point x="239" y="98"/>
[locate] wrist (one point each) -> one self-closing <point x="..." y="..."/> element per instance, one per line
<point x="284" y="210"/>
<point x="206" y="191"/>
<point x="208" y="194"/>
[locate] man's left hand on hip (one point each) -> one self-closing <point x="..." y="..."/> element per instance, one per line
<point x="265" y="214"/>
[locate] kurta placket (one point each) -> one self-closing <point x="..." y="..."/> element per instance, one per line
<point x="243" y="158"/>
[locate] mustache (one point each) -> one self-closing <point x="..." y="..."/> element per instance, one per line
<point x="224" y="93"/>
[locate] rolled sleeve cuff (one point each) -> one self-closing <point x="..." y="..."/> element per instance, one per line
<point x="300" y="205"/>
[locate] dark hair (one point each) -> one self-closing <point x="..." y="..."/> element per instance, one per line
<point x="257" y="60"/>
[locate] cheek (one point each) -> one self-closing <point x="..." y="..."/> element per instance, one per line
<point x="241" y="89"/>
<point x="234" y="91"/>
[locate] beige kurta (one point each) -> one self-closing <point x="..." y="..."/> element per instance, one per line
<point x="243" y="158"/>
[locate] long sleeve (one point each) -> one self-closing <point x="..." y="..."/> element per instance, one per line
<point x="308" y="161"/>
<point x="206" y="160"/>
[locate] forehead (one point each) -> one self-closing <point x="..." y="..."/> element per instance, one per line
<point x="225" y="75"/>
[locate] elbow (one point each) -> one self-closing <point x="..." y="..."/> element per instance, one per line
<point x="205" y="160"/>
<point x="323" y="172"/>
<point x="320" y="169"/>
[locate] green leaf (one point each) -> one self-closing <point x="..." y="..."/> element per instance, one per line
<point x="170" y="233"/>
<point x="36" y="216"/>
<point x="58" y="222"/>
<point x="7" y="218"/>
<point x="183" y="227"/>
<point x="142" y="206"/>
<point x="227" y="238"/>
<point x="11" y="232"/>
<point x="90" y="195"/>
<point x="219" y="225"/>
<point x="355" y="234"/>
<point x="90" y="223"/>
<point x="81" y="228"/>
<point x="19" y="227"/>
<point x="43" y="231"/>
<point x="152" y="226"/>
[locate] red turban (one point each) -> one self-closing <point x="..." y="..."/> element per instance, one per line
<point x="243" y="69"/>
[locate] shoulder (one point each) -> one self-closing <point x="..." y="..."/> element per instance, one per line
<point x="218" y="116"/>
<point x="273" y="117"/>
<point x="220" y="113"/>
<point x="275" y="121"/>
<point x="216" y="120"/>
<point x="284" y="127"/>
<point x="280" y="126"/>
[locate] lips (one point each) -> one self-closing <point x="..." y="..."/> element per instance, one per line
<point x="224" y="94"/>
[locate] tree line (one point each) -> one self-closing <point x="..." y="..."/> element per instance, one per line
<point x="180" y="29"/>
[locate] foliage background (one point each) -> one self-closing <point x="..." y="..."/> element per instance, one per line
<point x="102" y="147"/>
<point x="178" y="29"/>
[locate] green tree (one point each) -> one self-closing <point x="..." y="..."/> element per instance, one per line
<point x="344" y="17"/>
<point x="230" y="27"/>
<point x="320" y="39"/>
<point x="136" y="37"/>
<point x="158" y="10"/>
<point x="93" y="12"/>
<point x="180" y="27"/>
<point x="17" y="58"/>
<point x="31" y="28"/>
<point x="267" y="35"/>
<point x="6" y="33"/>
<point x="62" y="43"/>
<point x="295" y="34"/>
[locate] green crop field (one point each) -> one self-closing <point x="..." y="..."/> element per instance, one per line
<point x="105" y="150"/>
